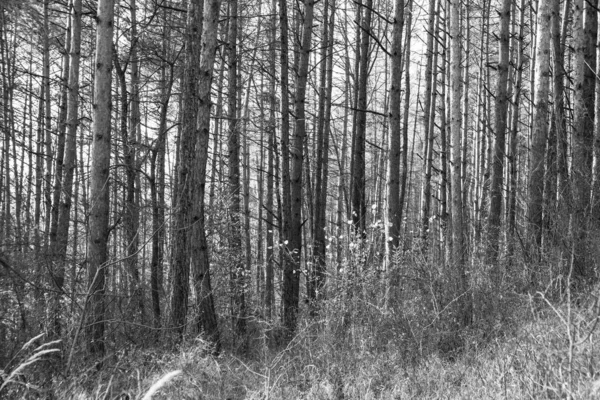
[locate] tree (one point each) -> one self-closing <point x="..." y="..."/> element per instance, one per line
<point x="291" y="273"/>
<point x="286" y="201"/>
<point x="157" y="182"/>
<point x="499" y="146"/>
<point x="70" y="157"/>
<point x="395" y="136"/>
<point x="317" y="281"/>
<point x="271" y="132"/>
<point x="183" y="192"/>
<point x="428" y="108"/>
<point x="459" y="246"/>
<point x="540" y="126"/>
<point x="235" y="237"/>
<point x="584" y="41"/>
<point x="207" y="317"/>
<point x="556" y="182"/>
<point x="99" y="178"/>
<point x="516" y="101"/>
<point x="359" y="204"/>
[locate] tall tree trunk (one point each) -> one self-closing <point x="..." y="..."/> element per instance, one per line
<point x="322" y="162"/>
<point x="499" y="146"/>
<point x="70" y="157"/>
<point x="459" y="247"/>
<point x="235" y="235"/>
<point x="394" y="212"/>
<point x="157" y="173"/>
<point x="285" y="205"/>
<point x="99" y="178"/>
<point x="207" y="318"/>
<point x="584" y="41"/>
<point x="157" y="184"/>
<point x="318" y="245"/>
<point x="60" y="146"/>
<point x="184" y="187"/>
<point x="596" y="155"/>
<point x="430" y="55"/>
<point x="359" y="204"/>
<point x="291" y="279"/>
<point x="272" y="131"/>
<point x="556" y="180"/>
<point x="404" y="148"/>
<point x="540" y="127"/>
<point x="516" y="99"/>
<point x="445" y="238"/>
<point x="562" y="139"/>
<point x="132" y="207"/>
<point x="48" y="154"/>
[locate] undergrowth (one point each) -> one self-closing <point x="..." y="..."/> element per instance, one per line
<point x="378" y="335"/>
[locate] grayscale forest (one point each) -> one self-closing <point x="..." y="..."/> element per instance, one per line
<point x="274" y="199"/>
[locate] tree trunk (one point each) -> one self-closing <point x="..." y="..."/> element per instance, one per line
<point x="70" y="157"/>
<point x="499" y="146"/>
<point x="540" y="127"/>
<point x="404" y="148"/>
<point x="48" y="153"/>
<point x="425" y="201"/>
<point x="584" y="41"/>
<point x="291" y="279"/>
<point x="394" y="214"/>
<point x="99" y="178"/>
<point x="516" y="99"/>
<point x="272" y="131"/>
<point x="359" y="204"/>
<point x="60" y="145"/>
<point x="235" y="235"/>
<point x="157" y="186"/>
<point x="132" y="207"/>
<point x="459" y="248"/>
<point x="207" y="318"/>
<point x="556" y="178"/>
<point x="184" y="187"/>
<point x="322" y="161"/>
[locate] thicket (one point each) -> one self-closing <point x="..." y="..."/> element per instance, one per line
<point x="377" y="334"/>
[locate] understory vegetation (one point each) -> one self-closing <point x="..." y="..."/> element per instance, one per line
<point x="378" y="335"/>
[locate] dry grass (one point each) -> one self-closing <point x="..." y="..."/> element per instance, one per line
<point x="551" y="355"/>
<point x="364" y="346"/>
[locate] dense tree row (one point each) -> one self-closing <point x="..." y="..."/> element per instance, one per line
<point x="171" y="168"/>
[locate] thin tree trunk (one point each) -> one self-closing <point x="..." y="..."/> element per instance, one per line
<point x="291" y="280"/>
<point x="359" y="204"/>
<point x="516" y="99"/>
<point x="48" y="154"/>
<point x="540" y="127"/>
<point x="499" y="152"/>
<point x="459" y="248"/>
<point x="70" y="157"/>
<point x="99" y="179"/>
<point x="207" y="318"/>
<point x="132" y="207"/>
<point x="235" y="235"/>
<point x="394" y="212"/>
<point x="430" y="55"/>
<point x="157" y="185"/>
<point x="272" y="131"/>
<point x="60" y="146"/>
<point x="322" y="162"/>
<point x="404" y="148"/>
<point x="584" y="41"/>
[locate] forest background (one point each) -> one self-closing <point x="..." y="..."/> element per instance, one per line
<point x="366" y="198"/>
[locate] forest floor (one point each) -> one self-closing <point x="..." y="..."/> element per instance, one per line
<point x="546" y="351"/>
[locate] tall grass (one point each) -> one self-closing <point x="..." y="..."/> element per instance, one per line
<point x="377" y="335"/>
